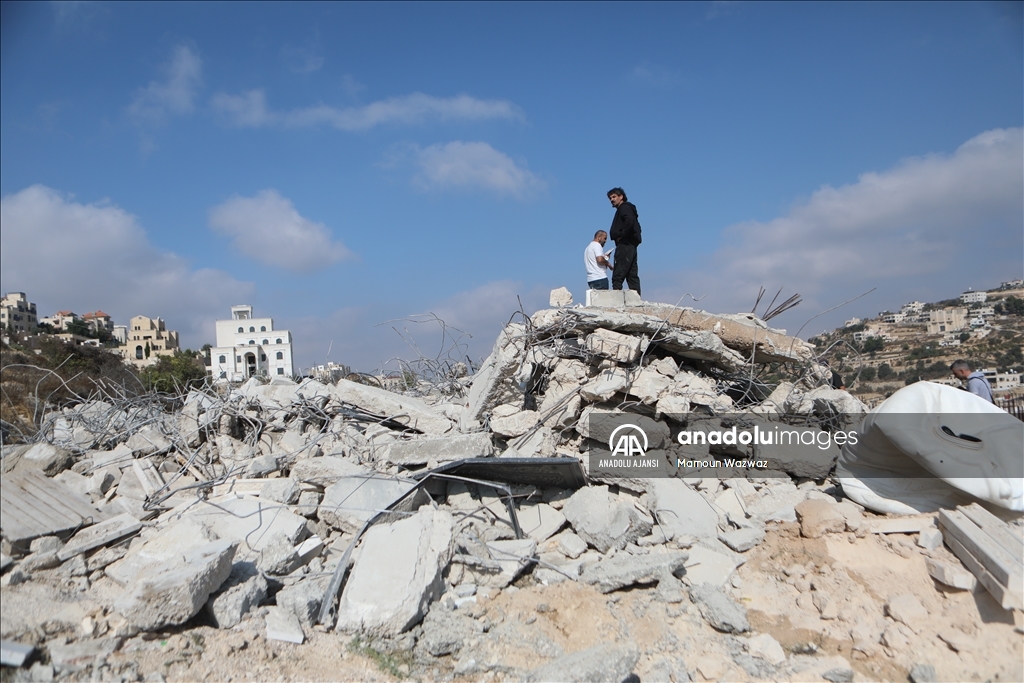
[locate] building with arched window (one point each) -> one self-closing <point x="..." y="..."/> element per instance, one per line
<point x="239" y="354"/>
<point x="146" y="340"/>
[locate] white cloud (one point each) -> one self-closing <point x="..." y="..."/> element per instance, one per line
<point x="250" y="110"/>
<point x="302" y="60"/>
<point x="174" y="95"/>
<point x="84" y="257"/>
<point x="461" y="165"/>
<point x="269" y="229"/>
<point x="935" y="224"/>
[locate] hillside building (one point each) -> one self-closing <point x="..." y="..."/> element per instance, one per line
<point x="60" y="320"/>
<point x="248" y="347"/>
<point x="947" y="320"/>
<point x="148" y="339"/>
<point x="99" y="321"/>
<point x="969" y="297"/>
<point x="17" y="314"/>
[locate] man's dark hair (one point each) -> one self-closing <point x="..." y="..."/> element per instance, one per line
<point x="618" y="190"/>
<point x="599" y="233"/>
<point x="960" y="364"/>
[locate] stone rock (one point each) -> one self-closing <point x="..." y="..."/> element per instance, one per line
<point x="250" y="521"/>
<point x="47" y="458"/>
<point x="605" y="385"/>
<point x="352" y="501"/>
<point x="706" y="566"/>
<point x="326" y="470"/>
<point x="571" y="545"/>
<point x="649" y="385"/>
<point x="603" y="520"/>
<point x="929" y="539"/>
<point x="397" y="574"/>
<point x="262" y="466"/>
<point x="284" y="626"/>
<point x="175" y="592"/>
<point x="819" y="517"/>
<point x="408" y="410"/>
<point x="284" y="491"/>
<point x="560" y="297"/>
<point x="308" y="503"/>
<point x="604" y="662"/>
<point x="763" y="646"/>
<point x="950" y="574"/>
<point x="82" y="654"/>
<point x="622" y="348"/>
<point x="839" y="675"/>
<point x="45" y="544"/>
<point x="719" y="610"/>
<point x="302" y="599"/>
<point x="277" y="557"/>
<point x="456" y="447"/>
<point x="827" y="607"/>
<point x="908" y="610"/>
<point x="243" y="591"/>
<point x="35" y="562"/>
<point x="627" y="570"/>
<point x="680" y="510"/>
<point x="742" y="540"/>
<point x="515" y="424"/>
<point x="541" y="521"/>
<point x="492" y="384"/>
<point x="666" y="366"/>
<point x="802" y="456"/>
<point x="506" y="560"/>
<point x="923" y="673"/>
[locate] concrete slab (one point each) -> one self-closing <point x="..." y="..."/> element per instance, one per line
<point x="284" y="626"/>
<point x="397" y="574"/>
<point x="622" y="571"/>
<point x="603" y="520"/>
<point x="455" y="447"/>
<point x="326" y="470"/>
<point x="680" y="510"/>
<point x="408" y="410"/>
<point x="352" y="501"/>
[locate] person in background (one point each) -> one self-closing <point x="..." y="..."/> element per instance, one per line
<point x="596" y="262"/>
<point x="974" y="382"/>
<point x="625" y="232"/>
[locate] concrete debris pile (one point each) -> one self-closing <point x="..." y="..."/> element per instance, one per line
<point x="294" y="510"/>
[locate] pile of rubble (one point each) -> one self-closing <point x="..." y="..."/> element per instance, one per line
<point x="425" y="523"/>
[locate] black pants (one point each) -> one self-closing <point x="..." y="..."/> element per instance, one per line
<point x="625" y="268"/>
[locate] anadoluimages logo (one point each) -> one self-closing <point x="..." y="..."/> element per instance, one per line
<point x="628" y="442"/>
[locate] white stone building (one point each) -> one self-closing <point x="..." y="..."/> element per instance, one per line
<point x="248" y="347"/>
<point x="148" y="339"/>
<point x="971" y="297"/>
<point x="17" y="314"/>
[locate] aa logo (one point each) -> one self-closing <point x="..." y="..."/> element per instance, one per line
<point x="625" y="441"/>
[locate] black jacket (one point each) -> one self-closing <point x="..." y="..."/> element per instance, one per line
<point x="625" y="225"/>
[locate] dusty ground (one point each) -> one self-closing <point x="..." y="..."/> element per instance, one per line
<point x="524" y="626"/>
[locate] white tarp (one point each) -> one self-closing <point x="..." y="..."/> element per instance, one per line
<point x="931" y="446"/>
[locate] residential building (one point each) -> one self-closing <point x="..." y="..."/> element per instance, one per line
<point x="17" y="313"/>
<point x="148" y="339"/>
<point x="60" y="320"/>
<point x="99" y="321"/>
<point x="913" y="307"/>
<point x="331" y="372"/>
<point x="248" y="346"/>
<point x="852" y="321"/>
<point x="1002" y="381"/>
<point x="893" y="317"/>
<point x="947" y="320"/>
<point x="970" y="297"/>
<point x="120" y="334"/>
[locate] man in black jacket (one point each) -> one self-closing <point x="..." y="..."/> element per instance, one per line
<point x="625" y="232"/>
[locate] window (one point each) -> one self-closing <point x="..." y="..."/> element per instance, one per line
<point x="263" y="357"/>
<point x="265" y="342"/>
<point x="238" y="359"/>
<point x="280" y="355"/>
<point x="263" y="328"/>
<point x="138" y="352"/>
<point x="241" y="329"/>
<point x="222" y="359"/>
<point x="278" y="341"/>
<point x="252" y="329"/>
<point x="252" y="342"/>
<point x="280" y="371"/>
<point x="223" y="375"/>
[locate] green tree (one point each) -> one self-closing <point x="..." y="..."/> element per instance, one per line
<point x="867" y="374"/>
<point x="964" y="336"/>
<point x="873" y="344"/>
<point x="175" y="374"/>
<point x="147" y="351"/>
<point x="885" y="371"/>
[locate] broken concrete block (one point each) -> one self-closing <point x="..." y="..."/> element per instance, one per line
<point x="606" y="298"/>
<point x="284" y="491"/>
<point x="408" y="410"/>
<point x="82" y="654"/>
<point x="251" y="521"/>
<point x="719" y="610"/>
<point x="326" y="470"/>
<point x="907" y="609"/>
<point x="628" y="570"/>
<point x="76" y="482"/>
<point x="950" y="574"/>
<point x="302" y="599"/>
<point x="516" y="424"/>
<point x="45" y="544"/>
<point x="14" y="654"/>
<point x="99" y="534"/>
<point x="560" y="297"/>
<point x="680" y="510"/>
<point x="352" y="501"/>
<point x="175" y="592"/>
<point x="604" y="662"/>
<point x="148" y="441"/>
<point x="39" y="561"/>
<point x="397" y="573"/>
<point x="763" y="646"/>
<point x="284" y="626"/>
<point x="456" y="447"/>
<point x="571" y="545"/>
<point x="277" y="557"/>
<point x="46" y="458"/>
<point x="261" y="466"/>
<point x="622" y="348"/>
<point x="603" y="520"/>
<point x="541" y="521"/>
<point x="503" y="562"/>
<point x="243" y="591"/>
<point x="648" y="386"/>
<point x="492" y="383"/>
<point x="819" y="517"/>
<point x="929" y="539"/>
<point x="308" y="503"/>
<point x="742" y="540"/>
<point x="706" y="566"/>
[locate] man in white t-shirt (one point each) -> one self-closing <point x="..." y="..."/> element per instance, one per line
<point x="596" y="262"/>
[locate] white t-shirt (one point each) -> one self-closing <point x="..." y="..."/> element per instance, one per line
<point x="594" y="271"/>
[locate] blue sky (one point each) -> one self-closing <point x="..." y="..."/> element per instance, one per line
<point x="340" y="166"/>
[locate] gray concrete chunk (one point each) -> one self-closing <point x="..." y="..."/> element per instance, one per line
<point x="604" y="662"/>
<point x="719" y="610"/>
<point x="680" y="510"/>
<point x="284" y="626"/>
<point x="628" y="570"/>
<point x="456" y="447"/>
<point x="603" y="520"/>
<point x="408" y="410"/>
<point x="397" y="574"/>
<point x="326" y="470"/>
<point x="243" y="591"/>
<point x="352" y="501"/>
